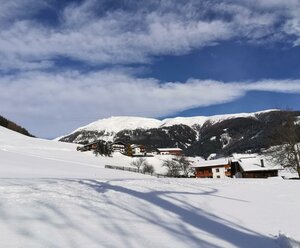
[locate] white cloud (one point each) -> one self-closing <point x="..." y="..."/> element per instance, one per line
<point x="105" y="40"/>
<point x="64" y="101"/>
<point x="284" y="86"/>
<point x="89" y="33"/>
<point x="122" y="37"/>
<point x="287" y="13"/>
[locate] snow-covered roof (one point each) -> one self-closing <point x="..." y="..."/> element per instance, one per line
<point x="255" y="164"/>
<point x="168" y="149"/>
<point x="211" y="163"/>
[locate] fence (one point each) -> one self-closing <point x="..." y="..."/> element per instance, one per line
<point x="125" y="168"/>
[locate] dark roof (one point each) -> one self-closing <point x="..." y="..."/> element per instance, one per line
<point x="119" y="142"/>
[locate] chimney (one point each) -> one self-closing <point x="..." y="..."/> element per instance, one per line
<point x="262" y="164"/>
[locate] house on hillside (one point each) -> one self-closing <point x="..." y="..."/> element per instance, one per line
<point x="252" y="167"/>
<point x="237" y="167"/>
<point x="119" y="146"/>
<point x="218" y="168"/>
<point x="138" y="150"/>
<point x="88" y="147"/>
<point x="169" y="151"/>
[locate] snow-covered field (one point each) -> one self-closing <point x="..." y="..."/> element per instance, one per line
<point x="53" y="196"/>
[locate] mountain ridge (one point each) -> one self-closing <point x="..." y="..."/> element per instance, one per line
<point x="13" y="126"/>
<point x="122" y="121"/>
<point x="200" y="135"/>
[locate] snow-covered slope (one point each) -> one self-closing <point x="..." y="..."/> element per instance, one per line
<point x="200" y="120"/>
<point x="53" y="196"/>
<point x="22" y="156"/>
<point x="116" y="124"/>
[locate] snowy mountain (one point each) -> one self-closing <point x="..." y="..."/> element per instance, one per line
<point x="120" y="123"/>
<point x="201" y="135"/>
<point x="53" y="196"/>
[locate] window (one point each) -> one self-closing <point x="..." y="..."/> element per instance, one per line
<point x="217" y="170"/>
<point x="218" y="176"/>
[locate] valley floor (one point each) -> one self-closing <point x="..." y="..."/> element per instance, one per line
<point x="53" y="196"/>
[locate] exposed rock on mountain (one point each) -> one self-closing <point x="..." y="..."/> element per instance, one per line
<point x="222" y="134"/>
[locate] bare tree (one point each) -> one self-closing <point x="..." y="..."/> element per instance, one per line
<point x="148" y="168"/>
<point x="184" y="165"/>
<point x="173" y="167"/>
<point x="178" y="166"/>
<point x="287" y="154"/>
<point x="138" y="163"/>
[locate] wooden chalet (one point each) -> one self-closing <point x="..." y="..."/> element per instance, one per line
<point x="88" y="147"/>
<point x="218" y="168"/>
<point x="242" y="167"/>
<point x="119" y="146"/>
<point x="169" y="151"/>
<point x="252" y="167"/>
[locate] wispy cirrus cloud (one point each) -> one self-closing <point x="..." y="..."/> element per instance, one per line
<point x="14" y="10"/>
<point x="90" y="31"/>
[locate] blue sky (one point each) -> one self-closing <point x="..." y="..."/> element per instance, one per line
<point x="67" y="63"/>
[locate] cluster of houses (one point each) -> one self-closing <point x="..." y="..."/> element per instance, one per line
<point x="235" y="166"/>
<point x="135" y="149"/>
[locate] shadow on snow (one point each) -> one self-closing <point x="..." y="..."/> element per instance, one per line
<point x="166" y="211"/>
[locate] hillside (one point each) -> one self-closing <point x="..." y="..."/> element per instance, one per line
<point x="13" y="126"/>
<point x="222" y="134"/>
<point x="53" y="196"/>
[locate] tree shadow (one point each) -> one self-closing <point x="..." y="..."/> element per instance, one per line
<point x="101" y="202"/>
<point x="192" y="215"/>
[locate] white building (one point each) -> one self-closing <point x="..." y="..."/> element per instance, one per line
<point x="138" y="150"/>
<point x="119" y="146"/>
<point x="218" y="168"/>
